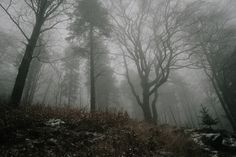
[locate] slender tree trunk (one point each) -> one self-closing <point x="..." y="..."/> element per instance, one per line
<point x="92" y="78"/>
<point x="24" y="67"/>
<point x="35" y="86"/>
<point x="32" y="91"/>
<point x="173" y="115"/>
<point x="47" y="91"/>
<point x="70" y="88"/>
<point x="80" y="97"/>
<point x="60" y="90"/>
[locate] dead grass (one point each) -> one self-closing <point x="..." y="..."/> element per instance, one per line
<point x="101" y="134"/>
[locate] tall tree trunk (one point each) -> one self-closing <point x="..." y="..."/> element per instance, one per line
<point x="92" y="78"/>
<point x="24" y="67"/>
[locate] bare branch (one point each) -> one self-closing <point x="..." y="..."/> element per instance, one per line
<point x="53" y="25"/>
<point x="13" y="20"/>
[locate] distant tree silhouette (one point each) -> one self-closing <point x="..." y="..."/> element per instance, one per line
<point x="90" y="21"/>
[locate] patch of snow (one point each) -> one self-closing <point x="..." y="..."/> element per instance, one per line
<point x="231" y="142"/>
<point x="214" y="153"/>
<point x="54" y="122"/>
<point x="197" y="138"/>
<point x="211" y="135"/>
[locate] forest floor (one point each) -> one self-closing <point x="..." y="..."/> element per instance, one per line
<point x="65" y="132"/>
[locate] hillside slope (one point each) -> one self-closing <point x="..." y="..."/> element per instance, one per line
<point x="64" y="132"/>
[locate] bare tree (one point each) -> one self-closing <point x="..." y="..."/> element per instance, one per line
<point x="215" y="38"/>
<point x="43" y="11"/>
<point x="150" y="37"/>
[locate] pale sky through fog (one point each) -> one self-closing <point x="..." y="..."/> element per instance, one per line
<point x="58" y="36"/>
<point x="61" y="33"/>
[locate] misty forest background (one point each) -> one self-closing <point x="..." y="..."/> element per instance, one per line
<point x="159" y="60"/>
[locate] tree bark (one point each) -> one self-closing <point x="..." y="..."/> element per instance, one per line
<point x="146" y="105"/>
<point x="24" y="67"/>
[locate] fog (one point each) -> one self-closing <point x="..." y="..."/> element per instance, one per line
<point x="160" y="61"/>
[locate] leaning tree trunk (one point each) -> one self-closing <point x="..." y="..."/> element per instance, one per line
<point x="219" y="89"/>
<point x="24" y="67"/>
<point x="92" y="79"/>
<point x="231" y="106"/>
<point x="21" y="78"/>
<point x="223" y="101"/>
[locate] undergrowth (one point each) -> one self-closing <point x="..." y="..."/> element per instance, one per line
<point x="24" y="133"/>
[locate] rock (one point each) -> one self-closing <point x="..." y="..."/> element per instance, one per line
<point x="229" y="144"/>
<point x="54" y="122"/>
<point x="214" y="140"/>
